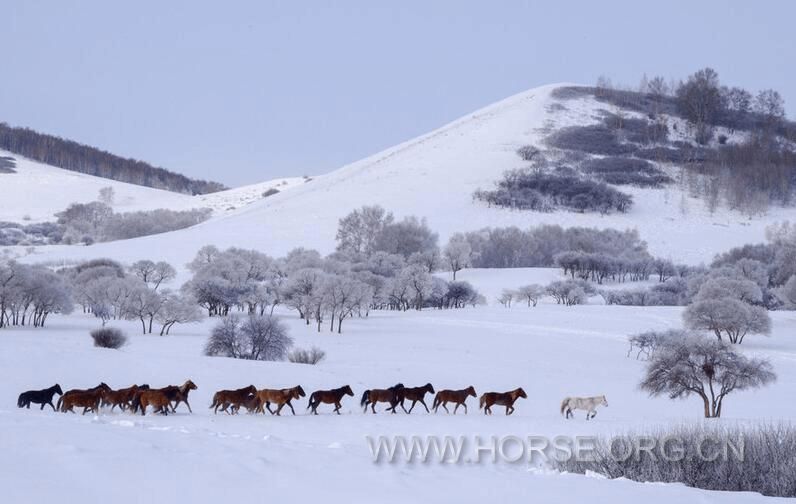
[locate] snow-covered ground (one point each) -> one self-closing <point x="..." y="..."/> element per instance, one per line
<point x="434" y="176"/>
<point x="552" y="351"/>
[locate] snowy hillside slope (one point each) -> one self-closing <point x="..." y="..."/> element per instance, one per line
<point x="434" y="176"/>
<point x="36" y="191"/>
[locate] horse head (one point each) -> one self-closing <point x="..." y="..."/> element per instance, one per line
<point x="521" y="393"/>
<point x="471" y="391"/>
<point x="250" y="390"/>
<point x="347" y="390"/>
<point x="603" y="400"/>
<point x="57" y="389"/>
<point x="429" y="388"/>
<point x="189" y="385"/>
<point x="298" y="392"/>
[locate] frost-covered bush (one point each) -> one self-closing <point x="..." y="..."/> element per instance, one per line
<point x="254" y="338"/>
<point x="527" y="152"/>
<point x="593" y="139"/>
<point x="108" y="337"/>
<point x="570" y="292"/>
<point x="644" y="344"/>
<point x="303" y="356"/>
<point x="626" y="171"/>
<point x="767" y="465"/>
<point x="540" y="191"/>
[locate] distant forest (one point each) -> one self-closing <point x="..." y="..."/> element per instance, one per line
<point x="76" y="157"/>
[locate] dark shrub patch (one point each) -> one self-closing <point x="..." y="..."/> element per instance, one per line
<point x="108" y="337"/>
<point x="594" y="139"/>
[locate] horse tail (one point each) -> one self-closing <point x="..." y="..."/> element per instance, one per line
<point x="436" y="401"/>
<point x="20" y="401"/>
<point x="564" y="404"/>
<point x="309" y="403"/>
<point x="365" y="396"/>
<point x="482" y="401"/>
<point x="59" y="403"/>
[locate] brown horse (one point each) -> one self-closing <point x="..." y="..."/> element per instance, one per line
<point x="158" y="399"/>
<point x="102" y="386"/>
<point x="459" y="397"/>
<point x="252" y="404"/>
<point x="280" y="397"/>
<point x="373" y="396"/>
<point x="235" y="398"/>
<point x="506" y="399"/>
<point x="180" y="394"/>
<point x="415" y="394"/>
<point x="122" y="397"/>
<point x="329" y="397"/>
<point x="88" y="400"/>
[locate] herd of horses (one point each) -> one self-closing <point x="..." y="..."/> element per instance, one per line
<point x="138" y="398"/>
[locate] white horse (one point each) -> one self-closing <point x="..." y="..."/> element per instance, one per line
<point x="585" y="403"/>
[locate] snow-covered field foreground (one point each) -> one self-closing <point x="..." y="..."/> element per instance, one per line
<point x="551" y="351"/>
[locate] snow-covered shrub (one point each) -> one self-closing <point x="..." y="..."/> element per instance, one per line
<point x="570" y="292"/>
<point x="593" y="139"/>
<point x="270" y="192"/>
<point x="527" y="152"/>
<point x="540" y="191"/>
<point x="303" y="356"/>
<point x="108" y="337"/>
<point x="767" y="465"/>
<point x="626" y="171"/>
<point x="254" y="338"/>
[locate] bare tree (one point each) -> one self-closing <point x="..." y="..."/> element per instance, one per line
<point x="710" y="369"/>
<point x="107" y="195"/>
<point x="506" y="297"/>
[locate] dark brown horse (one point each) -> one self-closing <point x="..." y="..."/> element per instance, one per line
<point x="280" y="397"/>
<point x="415" y="394"/>
<point x="122" y="397"/>
<point x="388" y="395"/>
<point x="43" y="397"/>
<point x="158" y="399"/>
<point x="178" y="394"/>
<point x="329" y="397"/>
<point x="458" y="397"/>
<point x="102" y="386"/>
<point x="225" y="398"/>
<point x="506" y="399"/>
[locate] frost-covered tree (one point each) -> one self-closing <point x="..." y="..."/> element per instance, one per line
<point x="570" y="292"/>
<point x="153" y="273"/>
<point x="107" y="195"/>
<point x="406" y="237"/>
<point x="254" y="337"/>
<point x="531" y="293"/>
<point x="506" y="297"/>
<point x="722" y="305"/>
<point x="357" y="231"/>
<point x="457" y="253"/>
<point x="176" y="309"/>
<point x="709" y="369"/>
<point x="430" y="259"/>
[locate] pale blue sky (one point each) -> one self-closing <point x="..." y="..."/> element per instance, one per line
<point x="245" y="91"/>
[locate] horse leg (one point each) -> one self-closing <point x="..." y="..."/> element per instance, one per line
<point x="372" y="407"/>
<point x="454" y="409"/>
<point x="42" y="406"/>
<point x="279" y="409"/>
<point x="51" y="404"/>
<point x="465" y="408"/>
<point x="291" y="407"/>
<point x="410" y="407"/>
<point x="337" y="407"/>
<point x="423" y="402"/>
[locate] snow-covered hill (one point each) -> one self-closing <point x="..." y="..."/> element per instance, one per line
<point x="434" y="176"/>
<point x="34" y="192"/>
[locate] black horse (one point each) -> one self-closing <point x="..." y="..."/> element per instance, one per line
<point x="42" y="397"/>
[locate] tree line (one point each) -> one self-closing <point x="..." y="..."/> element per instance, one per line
<point x="77" y="157"/>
